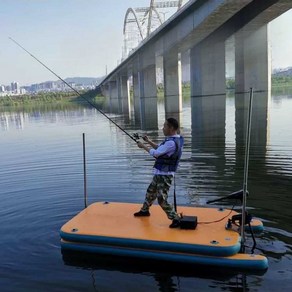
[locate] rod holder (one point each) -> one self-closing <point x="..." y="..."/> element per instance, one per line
<point x="84" y="172"/>
<point x="247" y="146"/>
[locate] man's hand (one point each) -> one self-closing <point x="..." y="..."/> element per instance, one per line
<point x="146" y="139"/>
<point x="140" y="144"/>
<point x="150" y="142"/>
<point x="143" y="146"/>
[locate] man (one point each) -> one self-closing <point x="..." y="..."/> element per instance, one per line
<point x="167" y="156"/>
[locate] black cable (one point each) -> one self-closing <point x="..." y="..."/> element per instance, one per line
<point x="174" y="195"/>
<point x="253" y="238"/>
<point x="218" y="219"/>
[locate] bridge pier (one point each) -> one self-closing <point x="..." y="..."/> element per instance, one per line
<point x="113" y="96"/>
<point x="145" y="90"/>
<point x="105" y="92"/>
<point x="124" y="95"/>
<point x="148" y="97"/>
<point x="252" y="69"/>
<point x="172" y="84"/>
<point x="208" y="98"/>
<point x="252" y="60"/>
<point x="207" y="64"/>
<point x="136" y="96"/>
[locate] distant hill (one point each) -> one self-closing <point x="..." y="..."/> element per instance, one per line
<point x="287" y="72"/>
<point x="84" y="80"/>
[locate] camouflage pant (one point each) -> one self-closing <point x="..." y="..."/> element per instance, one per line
<point x="159" y="188"/>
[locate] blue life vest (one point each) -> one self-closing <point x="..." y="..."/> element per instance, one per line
<point x="170" y="163"/>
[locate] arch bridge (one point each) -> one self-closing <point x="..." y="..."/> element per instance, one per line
<point x="141" y="21"/>
<point x="200" y="31"/>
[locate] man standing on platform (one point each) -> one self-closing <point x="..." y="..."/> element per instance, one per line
<point x="167" y="155"/>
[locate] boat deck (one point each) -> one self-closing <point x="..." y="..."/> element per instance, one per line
<point x="111" y="228"/>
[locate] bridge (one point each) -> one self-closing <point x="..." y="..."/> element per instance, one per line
<point x="200" y="30"/>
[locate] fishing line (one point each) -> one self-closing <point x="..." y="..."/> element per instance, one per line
<point x="92" y="104"/>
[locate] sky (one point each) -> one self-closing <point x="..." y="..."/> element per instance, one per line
<point x="77" y="38"/>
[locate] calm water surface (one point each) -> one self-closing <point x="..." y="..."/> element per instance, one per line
<point x="41" y="187"/>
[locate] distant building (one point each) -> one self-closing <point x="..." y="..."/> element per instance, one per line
<point x="48" y="85"/>
<point x="76" y="83"/>
<point x="34" y="87"/>
<point x="15" y="87"/>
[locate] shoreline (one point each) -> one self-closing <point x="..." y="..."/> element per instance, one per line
<point x="46" y="98"/>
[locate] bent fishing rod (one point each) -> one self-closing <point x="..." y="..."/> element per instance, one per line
<point x="79" y="94"/>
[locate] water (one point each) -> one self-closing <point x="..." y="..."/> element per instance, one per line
<point x="41" y="179"/>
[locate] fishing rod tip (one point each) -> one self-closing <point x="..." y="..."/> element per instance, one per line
<point x="12" y="39"/>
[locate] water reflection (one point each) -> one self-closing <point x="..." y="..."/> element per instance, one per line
<point x="15" y="120"/>
<point x="208" y="122"/>
<point x="18" y="118"/>
<point x="41" y="186"/>
<point x="169" y="277"/>
<point x="259" y="121"/>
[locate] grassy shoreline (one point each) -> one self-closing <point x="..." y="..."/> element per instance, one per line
<point x="56" y="98"/>
<point x="70" y="98"/>
<point x="26" y="99"/>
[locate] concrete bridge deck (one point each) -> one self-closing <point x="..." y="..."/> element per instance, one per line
<point x="201" y="28"/>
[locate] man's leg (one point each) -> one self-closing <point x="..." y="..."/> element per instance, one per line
<point x="163" y="186"/>
<point x="151" y="195"/>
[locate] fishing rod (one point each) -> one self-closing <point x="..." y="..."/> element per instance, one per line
<point x="92" y="104"/>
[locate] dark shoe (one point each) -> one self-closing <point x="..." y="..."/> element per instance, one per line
<point x="142" y="213"/>
<point x="175" y="224"/>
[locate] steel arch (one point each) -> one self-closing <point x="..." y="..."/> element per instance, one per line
<point x="130" y="10"/>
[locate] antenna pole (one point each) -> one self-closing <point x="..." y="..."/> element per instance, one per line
<point x="84" y="172"/>
<point x="247" y="146"/>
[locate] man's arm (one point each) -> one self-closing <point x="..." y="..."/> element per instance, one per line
<point x="149" y="141"/>
<point x="143" y="146"/>
<point x="168" y="147"/>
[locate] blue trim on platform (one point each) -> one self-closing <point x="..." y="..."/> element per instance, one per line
<point x="153" y="245"/>
<point x="252" y="264"/>
<point x="255" y="228"/>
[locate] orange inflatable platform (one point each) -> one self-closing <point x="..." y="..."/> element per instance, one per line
<point x="111" y="229"/>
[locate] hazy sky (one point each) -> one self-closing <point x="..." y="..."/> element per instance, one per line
<point x="80" y="38"/>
